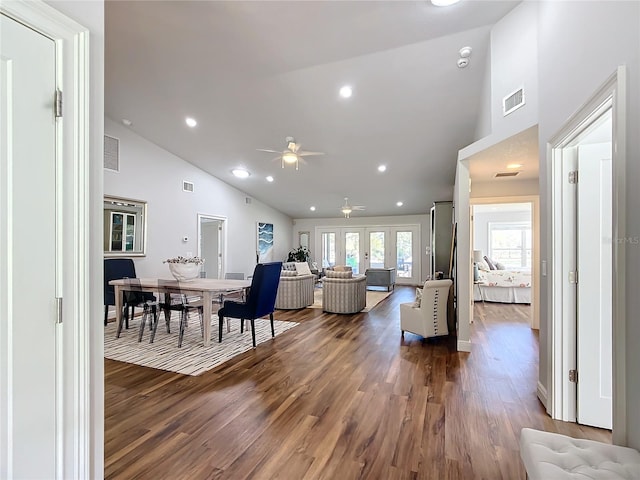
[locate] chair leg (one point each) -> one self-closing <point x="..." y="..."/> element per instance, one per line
<point x="106" y="312"/>
<point x="143" y="321"/>
<point x="253" y="332"/>
<point x="167" y="319"/>
<point x="273" y="332"/>
<point x="242" y="325"/>
<point x="183" y="324"/>
<point x="220" y="322"/>
<point x="123" y="316"/>
<point x="156" y="320"/>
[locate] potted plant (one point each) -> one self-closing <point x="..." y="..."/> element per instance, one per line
<point x="300" y="254"/>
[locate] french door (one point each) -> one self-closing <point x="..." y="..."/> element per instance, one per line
<point x="372" y="247"/>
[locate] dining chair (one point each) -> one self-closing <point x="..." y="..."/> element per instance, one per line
<point x="260" y="300"/>
<point x="116" y="269"/>
<point x="176" y="300"/>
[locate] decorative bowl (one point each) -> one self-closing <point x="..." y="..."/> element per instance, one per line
<point x="184" y="271"/>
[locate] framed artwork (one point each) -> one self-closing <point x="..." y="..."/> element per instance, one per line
<point x="265" y="242"/>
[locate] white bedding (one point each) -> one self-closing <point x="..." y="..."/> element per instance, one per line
<point x="504" y="286"/>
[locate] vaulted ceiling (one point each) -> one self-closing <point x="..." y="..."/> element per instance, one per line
<point x="254" y="73"/>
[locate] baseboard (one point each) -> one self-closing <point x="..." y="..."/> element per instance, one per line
<point x="464" y="346"/>
<point x="542" y="394"/>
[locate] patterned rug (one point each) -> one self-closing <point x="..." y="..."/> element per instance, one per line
<point x="374" y="297"/>
<point x="192" y="358"/>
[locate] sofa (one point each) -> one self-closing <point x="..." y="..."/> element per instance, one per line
<point x="295" y="291"/>
<point x="343" y="292"/>
<point x="381" y="277"/>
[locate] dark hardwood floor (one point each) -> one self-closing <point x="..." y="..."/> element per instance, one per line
<point x="338" y="397"/>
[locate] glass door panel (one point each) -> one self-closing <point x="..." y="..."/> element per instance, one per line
<point x="404" y="254"/>
<point x="352" y="251"/>
<point x="376" y="249"/>
<point x="328" y="249"/>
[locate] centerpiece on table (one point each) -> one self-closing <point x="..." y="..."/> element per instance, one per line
<point x="185" y="268"/>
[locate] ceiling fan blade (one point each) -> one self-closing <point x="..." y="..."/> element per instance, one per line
<point x="309" y="154"/>
<point x="267" y="150"/>
<point x="358" y="207"/>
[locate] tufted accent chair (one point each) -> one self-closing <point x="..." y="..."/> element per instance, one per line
<point x="430" y="318"/>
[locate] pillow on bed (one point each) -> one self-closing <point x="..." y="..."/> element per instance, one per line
<point x="482" y="265"/>
<point x="499" y="266"/>
<point x="490" y="263"/>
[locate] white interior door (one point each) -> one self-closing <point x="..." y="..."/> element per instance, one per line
<point x="595" y="260"/>
<point x="211" y="245"/>
<point x="30" y="406"/>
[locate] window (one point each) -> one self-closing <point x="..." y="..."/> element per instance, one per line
<point x="510" y="244"/>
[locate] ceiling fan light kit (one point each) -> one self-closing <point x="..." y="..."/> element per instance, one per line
<point x="346" y="209"/>
<point x="292" y="154"/>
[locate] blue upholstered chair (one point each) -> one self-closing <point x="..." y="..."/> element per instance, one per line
<point x="260" y="301"/>
<point x="115" y="269"/>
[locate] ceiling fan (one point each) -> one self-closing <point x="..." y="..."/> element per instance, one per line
<point x="292" y="154"/>
<point x="346" y="209"/>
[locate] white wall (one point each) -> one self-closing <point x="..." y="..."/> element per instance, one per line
<point x="149" y="173"/>
<point x="481" y="222"/>
<point x="310" y="224"/>
<point x="504" y="188"/>
<point x="580" y="45"/>
<point x="91" y="16"/>
<point x="514" y="64"/>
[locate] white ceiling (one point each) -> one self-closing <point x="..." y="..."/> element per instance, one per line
<point x="253" y="73"/>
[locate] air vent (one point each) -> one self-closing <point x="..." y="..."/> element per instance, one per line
<point x="506" y="174"/>
<point x="513" y="101"/>
<point x="187" y="186"/>
<point x="247" y="200"/>
<point x="111" y="153"/>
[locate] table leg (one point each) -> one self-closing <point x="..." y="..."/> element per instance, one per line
<point x="206" y="313"/>
<point x="117" y="290"/>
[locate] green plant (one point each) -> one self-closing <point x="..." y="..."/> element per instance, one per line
<point x="300" y="254"/>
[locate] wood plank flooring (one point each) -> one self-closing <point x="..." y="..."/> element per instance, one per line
<point x="338" y="397"/>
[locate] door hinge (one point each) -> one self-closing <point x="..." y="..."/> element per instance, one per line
<point x="58" y="103"/>
<point x="58" y="309"/>
<point x="573" y="277"/>
<point x="573" y="376"/>
<point x="573" y="177"/>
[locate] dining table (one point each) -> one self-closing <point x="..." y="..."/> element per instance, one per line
<point x="206" y="288"/>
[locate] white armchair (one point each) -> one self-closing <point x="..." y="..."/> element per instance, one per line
<point x="430" y="318"/>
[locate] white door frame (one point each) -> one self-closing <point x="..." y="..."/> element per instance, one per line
<point x="79" y="444"/>
<point x="562" y="334"/>
<point x="222" y="246"/>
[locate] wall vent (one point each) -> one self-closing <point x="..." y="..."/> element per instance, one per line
<point x="513" y="101"/>
<point x="506" y="174"/>
<point x="247" y="200"/>
<point x="111" y="158"/>
<point x="187" y="186"/>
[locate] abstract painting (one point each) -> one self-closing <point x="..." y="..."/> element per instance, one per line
<point x="265" y="242"/>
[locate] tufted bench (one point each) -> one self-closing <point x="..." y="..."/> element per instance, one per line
<point x="551" y="456"/>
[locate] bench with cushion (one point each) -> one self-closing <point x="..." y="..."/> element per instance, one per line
<point x="549" y="456"/>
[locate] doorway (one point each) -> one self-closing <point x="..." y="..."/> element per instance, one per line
<point x="587" y="278"/>
<point x="211" y="245"/>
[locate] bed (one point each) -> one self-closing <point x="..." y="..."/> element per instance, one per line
<point x="504" y="286"/>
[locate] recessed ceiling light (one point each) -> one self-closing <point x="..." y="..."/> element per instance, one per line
<point x="346" y="91"/>
<point x="399" y="204"/>
<point x="269" y="178"/>
<point x="240" y="172"/>
<point x="514" y="165"/>
<point x="127" y="122"/>
<point x="313" y="209"/>
<point x="191" y="122"/>
<point x="444" y="3"/>
<point x="382" y="168"/>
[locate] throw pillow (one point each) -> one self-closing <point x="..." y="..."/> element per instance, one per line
<point x="418" y="299"/>
<point x="303" y="268"/>
<point x="341" y="268"/>
<point x="490" y="263"/>
<point x="289" y="266"/>
<point x="334" y="274"/>
<point x="288" y="273"/>
<point x="482" y="265"/>
<point x="499" y="266"/>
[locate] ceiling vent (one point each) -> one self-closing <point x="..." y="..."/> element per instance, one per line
<point x="187" y="186"/>
<point x="513" y="101"/>
<point x="111" y="158"/>
<point x="506" y="174"/>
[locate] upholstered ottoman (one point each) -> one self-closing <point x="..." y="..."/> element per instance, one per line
<point x="381" y="277"/>
<point x="551" y="456"/>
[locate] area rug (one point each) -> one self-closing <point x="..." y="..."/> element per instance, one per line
<point x="192" y="358"/>
<point x="374" y="297"/>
